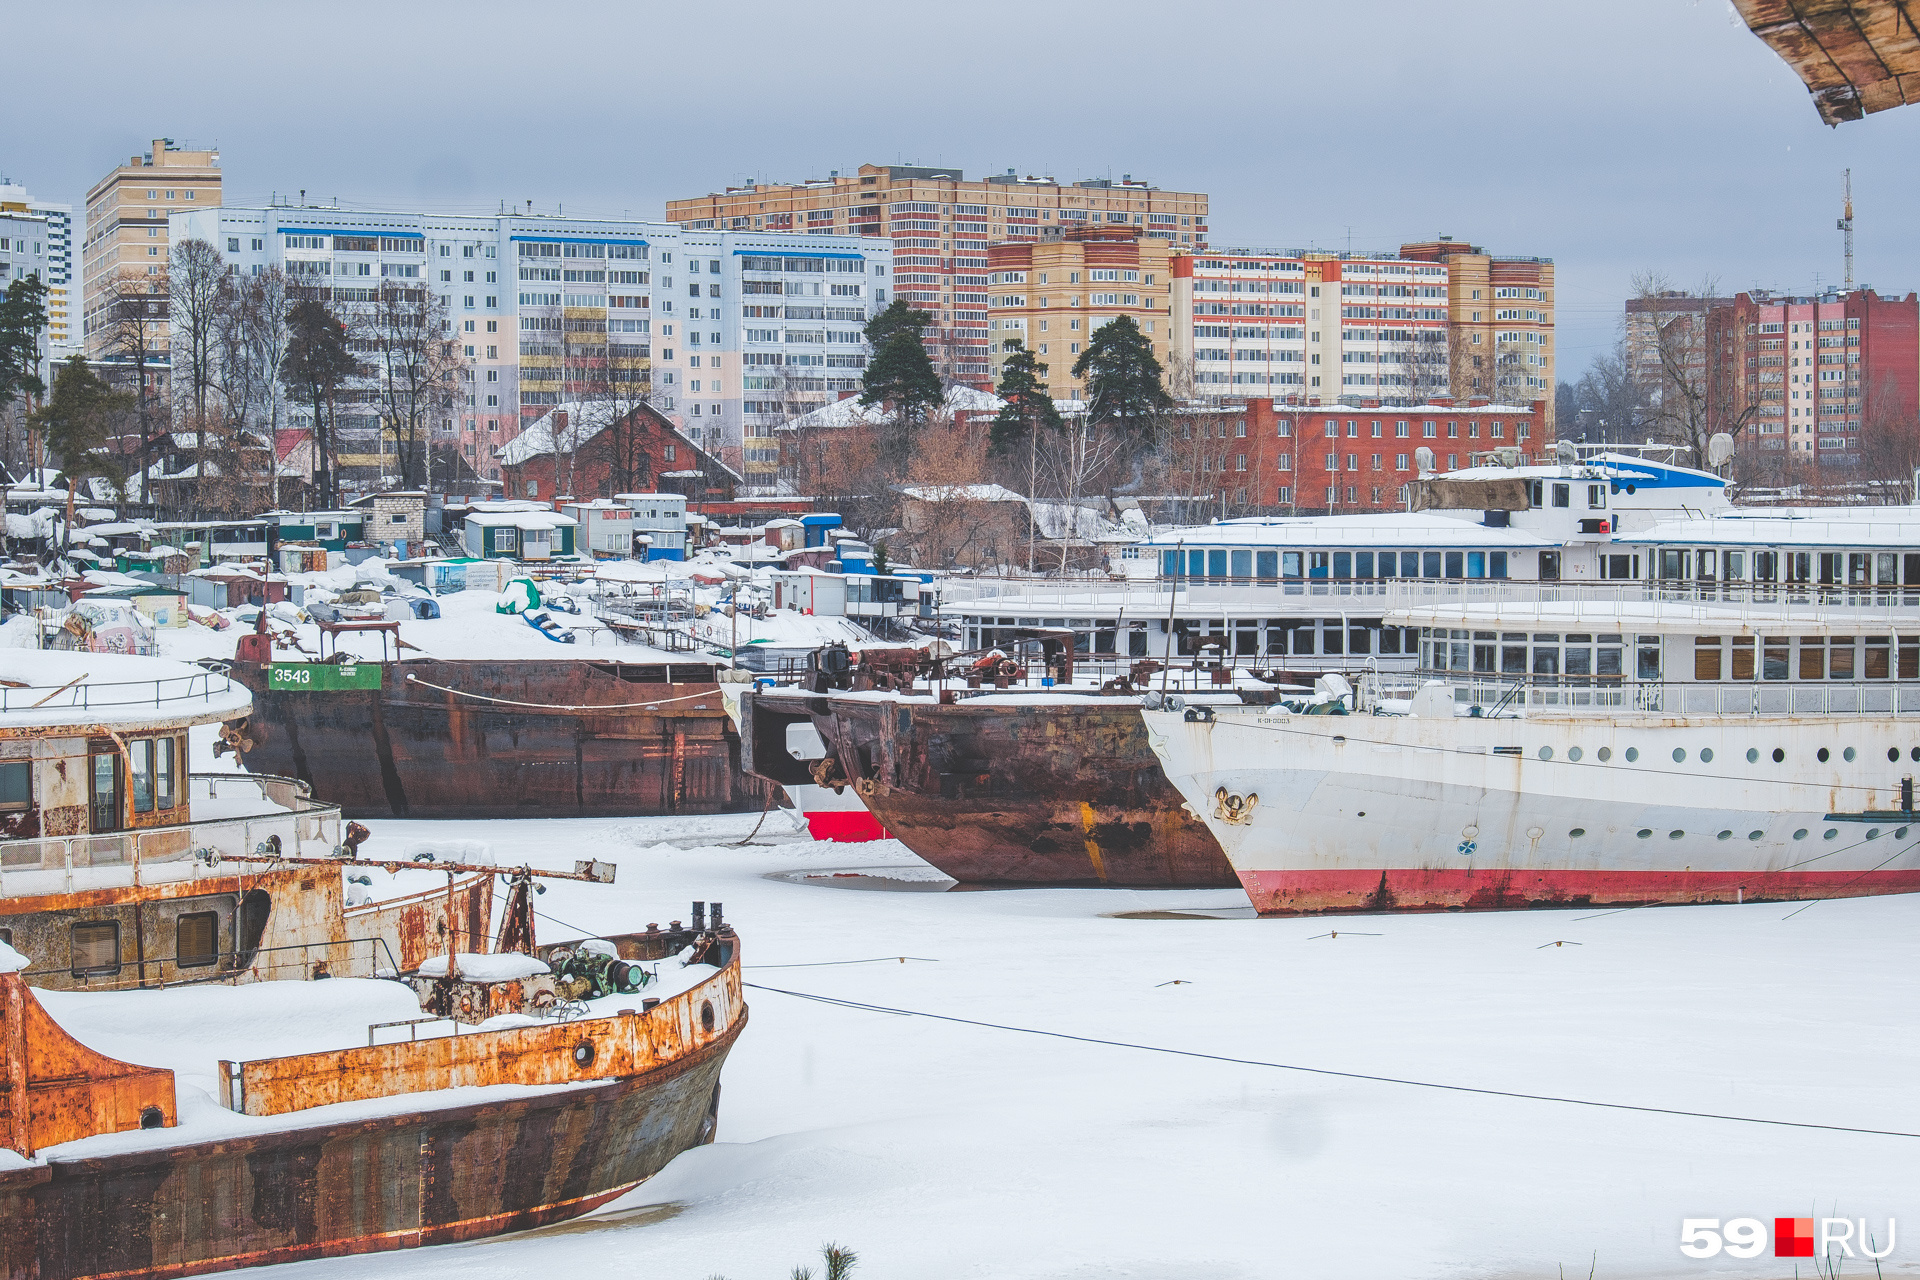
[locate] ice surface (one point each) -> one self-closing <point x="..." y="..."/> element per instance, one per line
<point x="940" y="1150"/>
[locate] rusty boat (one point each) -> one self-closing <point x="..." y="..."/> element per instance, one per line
<point x="1055" y="788"/>
<point x="355" y="1149"/>
<point x="426" y="738"/>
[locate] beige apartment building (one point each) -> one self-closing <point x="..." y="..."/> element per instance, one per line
<point x="1052" y="295"/>
<point x="941" y="223"/>
<point x="1500" y="321"/>
<point x="126" y="225"/>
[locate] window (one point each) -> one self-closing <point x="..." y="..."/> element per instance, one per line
<point x="103" y="786"/>
<point x="1562" y="495"/>
<point x="95" y="947"/>
<point x="196" y="939"/>
<point x="533" y="488"/>
<point x="16" y="784"/>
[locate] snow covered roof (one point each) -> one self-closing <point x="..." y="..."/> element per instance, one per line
<point x="522" y="520"/>
<point x="111" y="688"/>
<point x="961" y="492"/>
<point x="850" y="412"/>
<point x="1792" y="527"/>
<point x="1386" y="528"/>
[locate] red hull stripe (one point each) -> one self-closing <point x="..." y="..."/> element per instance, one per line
<point x="1419" y="889"/>
<point x="845" y="826"/>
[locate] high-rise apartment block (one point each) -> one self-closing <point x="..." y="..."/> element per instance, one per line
<point x="63" y="331"/>
<point x="1818" y="377"/>
<point x="725" y="333"/>
<point x="1051" y="295"/>
<point x="1500" y="312"/>
<point x="127" y="226"/>
<point x="24" y="239"/>
<point x="941" y="224"/>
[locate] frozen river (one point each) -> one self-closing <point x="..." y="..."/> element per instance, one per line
<point x="937" y="1149"/>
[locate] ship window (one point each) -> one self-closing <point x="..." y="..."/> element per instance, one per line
<point x="1513" y="660"/>
<point x="1482" y="653"/>
<point x="1318" y="564"/>
<point x="1910" y="659"/>
<point x="1242" y="564"/>
<point x="1648" y="667"/>
<point x="1596" y="497"/>
<point x="1766" y="566"/>
<point x="1476" y="564"/>
<point x="1736" y="565"/>
<point x="140" y="773"/>
<point x="1607" y="661"/>
<point x="1633" y="753"/>
<point x="1779" y="755"/>
<point x="1343" y="564"/>
<point x="1578" y="655"/>
<point x="1857" y="569"/>
<point x="1455" y="565"/>
<point x="163" y="780"/>
<point x="1886" y="570"/>
<point x="104" y="791"/>
<point x="16" y="784"/>
<point x="1706" y="657"/>
<point x="196" y="939"/>
<point x="1561" y="495"/>
<point x="1879" y="663"/>
<point x="1773" y="659"/>
<point x="1332" y="637"/>
<point x="1813" y="658"/>
<point x="1829" y="568"/>
<point x="1363" y="564"/>
<point x="96" y="947"/>
<point x="1753" y="755"/>
<point x="1266" y="564"/>
<point x="1289" y="564"/>
<point x="1496" y="564"/>
<point x="1216" y="564"/>
<point x="1546" y="658"/>
<point x="1409" y="564"/>
<point x="1741" y="659"/>
<point x="1430" y="564"/>
<point x="1840" y="658"/>
<point x="1823" y="755"/>
<point x="1573" y="754"/>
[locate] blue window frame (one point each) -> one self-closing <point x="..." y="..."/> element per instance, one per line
<point x="1289" y="564"/>
<point x="1363" y="564"/>
<point x="1453" y="564"/>
<point x="1476" y="564"/>
<point x="1242" y="562"/>
<point x="1216" y="564"/>
<point x="1169" y="564"/>
<point x="1197" y="564"/>
<point x="1430" y="564"/>
<point x="1409" y="564"/>
<point x="1343" y="564"/>
<point x="1267" y="564"/>
<point x="1496" y="564"/>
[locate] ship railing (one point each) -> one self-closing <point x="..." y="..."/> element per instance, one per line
<point x="99" y="695"/>
<point x="291" y="823"/>
<point x="1601" y="696"/>
<point x="293" y="961"/>
<point x="1762" y="603"/>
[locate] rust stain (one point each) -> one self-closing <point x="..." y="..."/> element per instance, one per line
<point x="54" y="1089"/>
<point x="1087" y="824"/>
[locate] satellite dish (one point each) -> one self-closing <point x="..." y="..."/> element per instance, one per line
<point x="1566" y="453"/>
<point x="1719" y="449"/>
<point x="1423" y="459"/>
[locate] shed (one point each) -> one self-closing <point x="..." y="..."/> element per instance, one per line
<point x="663" y="517"/>
<point x="810" y="591"/>
<point x="397" y="515"/>
<point x="520" y="535"/>
<point x="606" y="528"/>
<point x="163" y="606"/>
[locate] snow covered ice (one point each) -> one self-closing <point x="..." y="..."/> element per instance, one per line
<point x="943" y="1150"/>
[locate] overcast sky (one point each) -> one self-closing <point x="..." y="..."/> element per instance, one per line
<point x="1614" y="136"/>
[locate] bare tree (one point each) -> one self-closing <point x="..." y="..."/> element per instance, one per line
<point x="414" y="364"/>
<point x="1681" y="409"/>
<point x="135" y="315"/>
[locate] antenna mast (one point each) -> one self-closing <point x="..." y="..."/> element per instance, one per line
<point x="1845" y="225"/>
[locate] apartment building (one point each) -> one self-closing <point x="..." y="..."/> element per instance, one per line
<point x="1817" y="377"/>
<point x="127" y="219"/>
<point x="24" y="241"/>
<point x="723" y="333"/>
<point x="1500" y="311"/>
<point x="63" y="329"/>
<point x="941" y="224"/>
<point x="1257" y="455"/>
<point x="1051" y="295"/>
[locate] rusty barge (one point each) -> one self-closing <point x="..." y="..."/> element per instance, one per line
<point x="475" y="739"/>
<point x="1006" y="789"/>
<point x="604" y="1103"/>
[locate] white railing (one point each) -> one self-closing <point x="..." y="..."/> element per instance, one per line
<point x="290" y="824"/>
<point x="1675" y="698"/>
<point x="94" y="695"/>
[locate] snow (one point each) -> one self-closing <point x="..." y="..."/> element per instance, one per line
<point x="940" y="1150"/>
<point x="12" y="961"/>
<point x="109" y="688"/>
<point x="486" y="968"/>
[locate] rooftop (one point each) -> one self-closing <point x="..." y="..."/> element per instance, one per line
<point x="41" y="689"/>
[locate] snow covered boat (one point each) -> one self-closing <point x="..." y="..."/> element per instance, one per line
<point x="118" y="868"/>
<point x="1600" y="744"/>
<point x="351" y="1149"/>
<point x="472" y="739"/>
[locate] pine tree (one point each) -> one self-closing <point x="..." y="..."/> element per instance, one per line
<point x="1122" y="377"/>
<point x="77" y="421"/>
<point x="1028" y="409"/>
<point x="900" y="374"/>
<point x="23" y="316"/>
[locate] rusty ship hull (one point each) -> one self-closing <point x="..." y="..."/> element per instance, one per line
<point x="475" y="739"/>
<point x="429" y="1177"/>
<point x="1058" y="792"/>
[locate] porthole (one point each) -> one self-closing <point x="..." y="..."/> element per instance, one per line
<point x="1546" y="753"/>
<point x="1831" y="833"/>
<point x="706" y="1015"/>
<point x="152" y="1118"/>
<point x="1577" y="832"/>
<point x="1724" y="835"/>
<point x="1633" y="753"/>
<point x="1605" y="754"/>
<point x="1706" y="755"/>
<point x="1873" y="833"/>
<point x="1573" y="753"/>
<point x="1679" y="754"/>
<point x="1644" y="832"/>
<point x="1847" y="755"/>
<point x="1675" y="835"/>
<point x="1900" y="833"/>
<point x="1893" y="755"/>
<point x="1916" y="755"/>
<point x="1801" y="834"/>
<point x="1756" y="835"/>
<point x="1823" y="755"/>
<point x="583" y="1054"/>
<point x="1753" y="755"/>
<point x="1778" y="755"/>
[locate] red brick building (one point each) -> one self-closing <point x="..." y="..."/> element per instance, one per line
<point x="1831" y="381"/>
<point x="1301" y="457"/>
<point x="644" y="452"/>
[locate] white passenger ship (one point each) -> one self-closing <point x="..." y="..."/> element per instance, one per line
<point x="1741" y="722"/>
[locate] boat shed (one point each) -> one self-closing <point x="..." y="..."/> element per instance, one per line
<point x="662" y="517"/>
<point x="332" y="530"/>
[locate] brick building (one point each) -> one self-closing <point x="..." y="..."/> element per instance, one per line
<point x="643" y="452"/>
<point x="1300" y="456"/>
<point x="1818" y="378"/>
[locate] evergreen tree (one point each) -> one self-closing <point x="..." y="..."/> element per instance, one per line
<point x="900" y="374"/>
<point x="23" y="316"/>
<point x="77" y="421"/>
<point x="1028" y="409"/>
<point x="317" y="362"/>
<point x="1122" y="377"/>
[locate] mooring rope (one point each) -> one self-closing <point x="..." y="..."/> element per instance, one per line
<point x="550" y="706"/>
